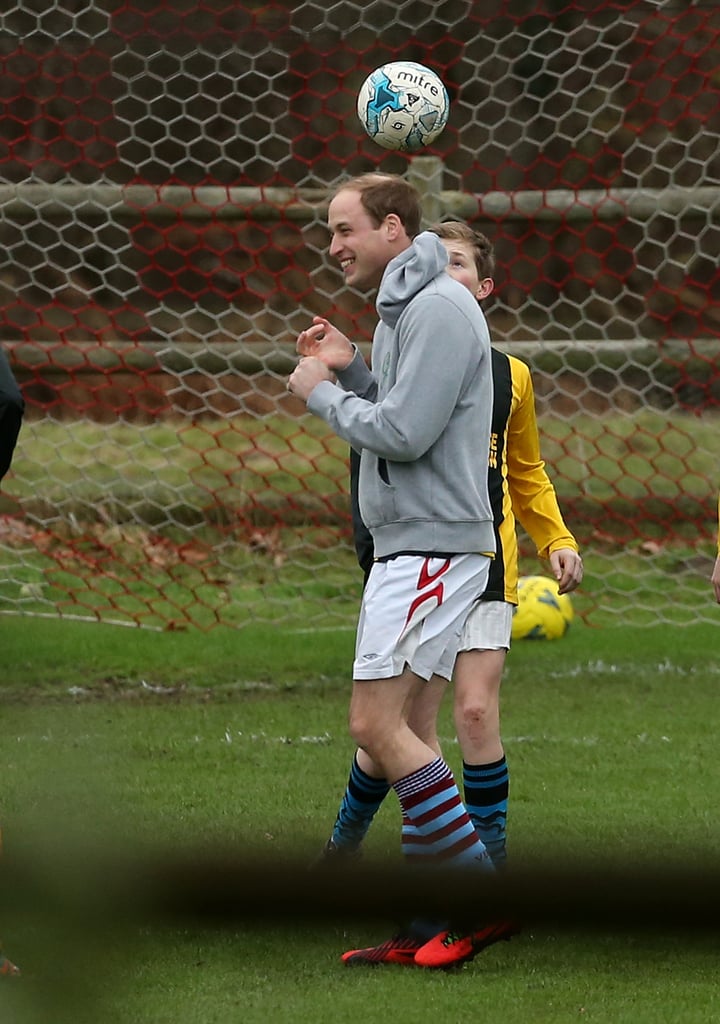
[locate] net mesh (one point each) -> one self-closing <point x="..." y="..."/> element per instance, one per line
<point x="164" y="172"/>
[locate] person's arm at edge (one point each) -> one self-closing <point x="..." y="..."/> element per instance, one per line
<point x="12" y="408"/>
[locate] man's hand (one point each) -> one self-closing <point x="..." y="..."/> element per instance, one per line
<point x="567" y="567"/>
<point x="325" y="342"/>
<point x="307" y="375"/>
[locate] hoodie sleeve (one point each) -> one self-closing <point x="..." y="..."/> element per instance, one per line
<point x="358" y="378"/>
<point x="436" y="342"/>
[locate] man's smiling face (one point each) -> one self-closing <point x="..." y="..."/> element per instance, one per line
<point x="362" y="248"/>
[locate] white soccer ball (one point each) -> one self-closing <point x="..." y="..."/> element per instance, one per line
<point x="542" y="613"/>
<point x="403" y="105"/>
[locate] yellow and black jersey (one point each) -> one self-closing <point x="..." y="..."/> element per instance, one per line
<point x="520" y="488"/>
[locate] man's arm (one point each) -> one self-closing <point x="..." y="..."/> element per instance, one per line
<point x="435" y="346"/>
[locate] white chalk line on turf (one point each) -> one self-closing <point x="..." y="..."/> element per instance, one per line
<point x="232" y="736"/>
<point x="154" y="629"/>
<point x="127" y="624"/>
<point x="325" y="739"/>
<point x="321" y="629"/>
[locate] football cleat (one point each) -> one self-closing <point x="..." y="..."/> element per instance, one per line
<point x="400" y="949"/>
<point x="333" y="855"/>
<point x="450" y="949"/>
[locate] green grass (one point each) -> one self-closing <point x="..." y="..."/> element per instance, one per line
<point x="119" y="745"/>
<point x="166" y="464"/>
<point x="132" y="576"/>
<point x="48" y="656"/>
<point x="246" y="522"/>
<point x="641" y="456"/>
<point x="197" y="472"/>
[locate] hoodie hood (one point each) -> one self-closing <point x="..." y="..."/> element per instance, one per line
<point x="408" y="273"/>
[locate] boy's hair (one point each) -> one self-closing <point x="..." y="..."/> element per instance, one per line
<point x="458" y="231"/>
<point x="381" y="194"/>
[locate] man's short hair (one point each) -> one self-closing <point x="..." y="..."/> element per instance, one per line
<point x="381" y="194"/>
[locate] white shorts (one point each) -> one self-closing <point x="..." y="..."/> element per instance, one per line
<point x="488" y="627"/>
<point x="413" y="612"/>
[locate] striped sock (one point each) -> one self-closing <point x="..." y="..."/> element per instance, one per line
<point x="486" y="788"/>
<point x="435" y="823"/>
<point x="361" y="802"/>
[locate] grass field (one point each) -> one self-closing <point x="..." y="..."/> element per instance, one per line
<point x="177" y="524"/>
<point x="123" y="748"/>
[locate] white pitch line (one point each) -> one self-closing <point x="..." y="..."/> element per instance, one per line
<point x="321" y="629"/>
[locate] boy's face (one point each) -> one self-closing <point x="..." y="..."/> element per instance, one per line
<point x="362" y="249"/>
<point x="462" y="266"/>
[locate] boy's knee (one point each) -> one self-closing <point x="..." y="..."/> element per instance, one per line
<point x="473" y="712"/>
<point x="361" y="730"/>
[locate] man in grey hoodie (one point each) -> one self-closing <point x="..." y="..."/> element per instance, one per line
<point x="420" y="418"/>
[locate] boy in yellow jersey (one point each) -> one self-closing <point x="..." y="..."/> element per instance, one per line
<point x="520" y="489"/>
<point x="715" y="578"/>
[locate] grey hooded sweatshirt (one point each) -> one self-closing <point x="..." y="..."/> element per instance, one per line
<point x="421" y="417"/>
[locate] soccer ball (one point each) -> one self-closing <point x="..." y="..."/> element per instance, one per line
<point x="403" y="105"/>
<point x="542" y="613"/>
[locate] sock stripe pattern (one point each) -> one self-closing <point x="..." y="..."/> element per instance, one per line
<point x="435" y="823"/>
<point x="362" y="799"/>
<point x="486" y="789"/>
